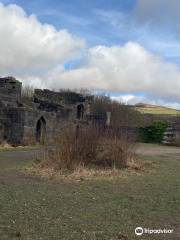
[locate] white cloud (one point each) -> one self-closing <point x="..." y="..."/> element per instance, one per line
<point x="130" y="99"/>
<point x="148" y="25"/>
<point x="30" y="47"/>
<point x="126" y="69"/>
<point x="35" y="53"/>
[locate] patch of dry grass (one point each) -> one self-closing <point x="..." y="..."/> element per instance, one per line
<point x="80" y="173"/>
<point x="4" y="146"/>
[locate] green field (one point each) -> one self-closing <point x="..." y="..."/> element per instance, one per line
<point x="34" y="208"/>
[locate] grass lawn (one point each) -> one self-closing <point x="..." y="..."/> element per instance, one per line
<point x="34" y="208"/>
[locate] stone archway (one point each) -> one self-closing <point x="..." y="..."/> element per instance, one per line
<point x="41" y="130"/>
<point x="80" y="111"/>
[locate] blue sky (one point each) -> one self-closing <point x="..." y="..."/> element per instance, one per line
<point x="130" y="48"/>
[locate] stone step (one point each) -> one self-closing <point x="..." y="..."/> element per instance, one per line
<point x="169" y="129"/>
<point x="167" y="142"/>
<point x="170" y="133"/>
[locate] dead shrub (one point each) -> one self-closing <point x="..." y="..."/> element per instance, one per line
<point x="88" y="146"/>
<point x="111" y="150"/>
<point x="71" y="148"/>
<point x="27" y="93"/>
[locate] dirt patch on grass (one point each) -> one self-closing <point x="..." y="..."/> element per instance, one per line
<point x="157" y="150"/>
<point x="15" y="177"/>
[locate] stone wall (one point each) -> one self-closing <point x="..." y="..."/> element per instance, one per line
<point x="62" y="97"/>
<point x="172" y="134"/>
<point x="10" y="91"/>
<point x="45" y="115"/>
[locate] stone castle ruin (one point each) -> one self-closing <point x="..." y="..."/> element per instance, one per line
<point x="22" y="123"/>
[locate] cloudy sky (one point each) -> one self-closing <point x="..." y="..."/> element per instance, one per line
<point x="129" y="48"/>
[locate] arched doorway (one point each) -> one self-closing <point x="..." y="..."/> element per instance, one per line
<point x="41" y="130"/>
<point x="80" y="111"/>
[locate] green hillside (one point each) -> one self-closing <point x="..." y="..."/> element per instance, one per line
<point x="159" y="110"/>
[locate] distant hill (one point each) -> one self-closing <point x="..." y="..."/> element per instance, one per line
<point x="154" y="109"/>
